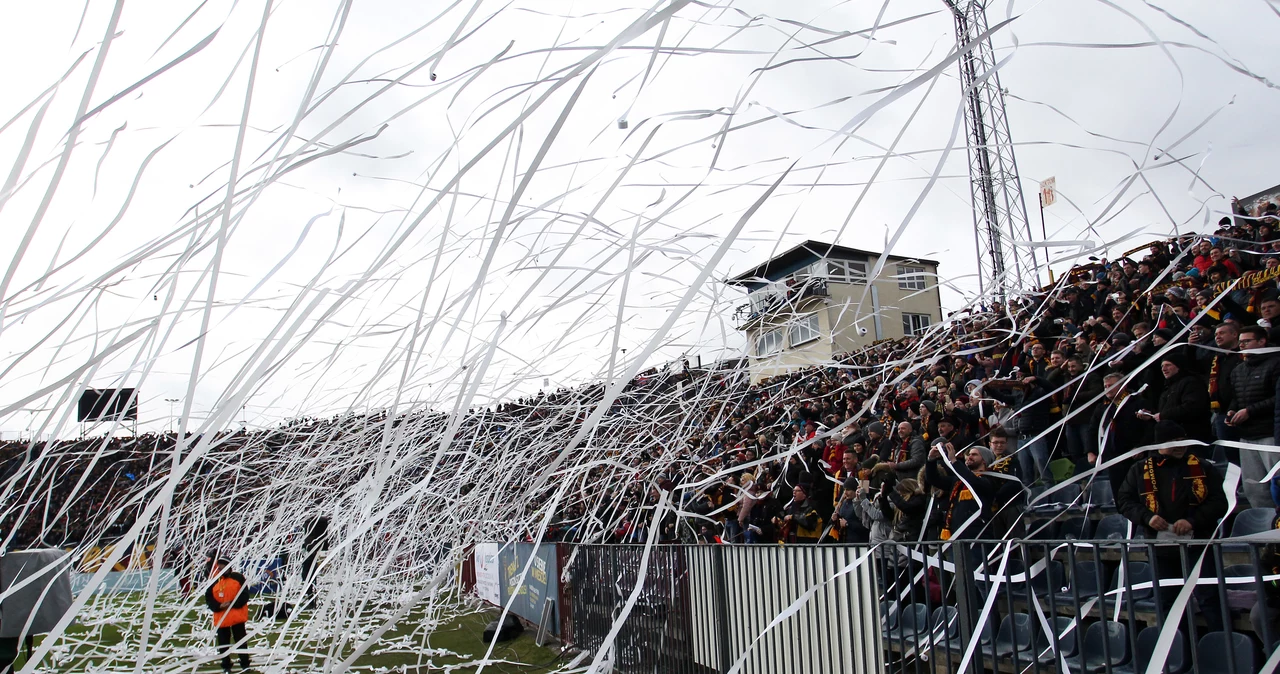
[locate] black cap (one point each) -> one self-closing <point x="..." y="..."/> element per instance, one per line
<point x="1175" y="358"/>
<point x="1168" y="431"/>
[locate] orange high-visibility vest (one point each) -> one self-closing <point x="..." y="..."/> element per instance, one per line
<point x="225" y="591"/>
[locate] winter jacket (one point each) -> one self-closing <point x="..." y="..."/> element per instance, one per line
<point x="961" y="503"/>
<point x="806" y="523"/>
<point x="1121" y="427"/>
<point x="857" y="531"/>
<point x="1175" y="499"/>
<point x="914" y="450"/>
<point x="1032" y="407"/>
<point x="909" y="519"/>
<point x="1253" y="387"/>
<point x="1077" y="395"/>
<point x="874" y="518"/>
<point x="1186" y="401"/>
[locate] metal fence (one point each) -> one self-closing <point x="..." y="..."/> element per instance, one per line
<point x="704" y="609"/>
<point x="974" y="606"/>
<point x="1078" y="606"/>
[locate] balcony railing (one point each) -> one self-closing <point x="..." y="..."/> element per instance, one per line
<point x="780" y="297"/>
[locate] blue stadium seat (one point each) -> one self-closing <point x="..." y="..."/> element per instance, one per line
<point x="1012" y="568"/>
<point x="1075" y="528"/>
<point x="1093" y="656"/>
<point x="1101" y="496"/>
<point x="987" y="632"/>
<point x="913" y="623"/>
<point x="1243" y="596"/>
<point x="1211" y="654"/>
<point x="1178" y="661"/>
<point x="1050" y="579"/>
<point x="888" y="616"/>
<point x="1085" y="579"/>
<point x="945" y="628"/>
<point x="1015" y="636"/>
<point x="1251" y="521"/>
<point x="1042" y="530"/>
<point x="1067" y="636"/>
<point x="1142" y="598"/>
<point x="1112" y="528"/>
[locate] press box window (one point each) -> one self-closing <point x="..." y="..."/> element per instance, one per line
<point x="805" y="330"/>
<point x="769" y="343"/>
<point x="847" y="271"/>
<point x="911" y="278"/>
<point x="915" y="324"/>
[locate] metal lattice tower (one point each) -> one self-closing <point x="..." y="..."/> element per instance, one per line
<point x="999" y="212"/>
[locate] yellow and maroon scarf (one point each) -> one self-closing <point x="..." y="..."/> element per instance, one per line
<point x="1214" y="405"/>
<point x="901" y="454"/>
<point x="959" y="492"/>
<point x="1003" y="466"/>
<point x="1149" y="482"/>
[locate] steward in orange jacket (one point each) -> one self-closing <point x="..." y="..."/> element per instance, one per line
<point x="228" y="598"/>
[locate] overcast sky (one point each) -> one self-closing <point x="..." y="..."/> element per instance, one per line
<point x="387" y="228"/>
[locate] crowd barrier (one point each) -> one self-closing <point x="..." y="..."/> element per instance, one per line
<point x="702" y="609"/>
<point x="1077" y="606"/>
<point x="124" y="581"/>
<point x="1023" y="606"/>
<point x="135" y="557"/>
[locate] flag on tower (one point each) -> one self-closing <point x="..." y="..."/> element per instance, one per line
<point x="1048" y="191"/>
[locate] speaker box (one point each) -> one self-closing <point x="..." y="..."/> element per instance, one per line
<point x="275" y="611"/>
<point x="510" y="629"/>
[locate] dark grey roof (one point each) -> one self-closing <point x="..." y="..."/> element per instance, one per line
<point x="811" y="250"/>
<point x="1268" y="193"/>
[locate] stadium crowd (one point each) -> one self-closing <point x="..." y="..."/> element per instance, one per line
<point x="956" y="433"/>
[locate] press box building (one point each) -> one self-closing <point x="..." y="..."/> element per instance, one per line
<point x="815" y="301"/>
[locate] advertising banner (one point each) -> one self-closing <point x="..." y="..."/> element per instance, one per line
<point x="541" y="583"/>
<point x="488" y="573"/>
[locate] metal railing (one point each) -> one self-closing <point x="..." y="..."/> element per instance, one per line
<point x="780" y="296"/>
<point x="973" y="606"/>
<point x="701" y="609"/>
<point x="1078" y="606"/>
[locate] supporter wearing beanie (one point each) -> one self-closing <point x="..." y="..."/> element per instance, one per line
<point x="877" y="440"/>
<point x="800" y="521"/>
<point x="848" y="525"/>
<point x="969" y="492"/>
<point x="1184" y="400"/>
